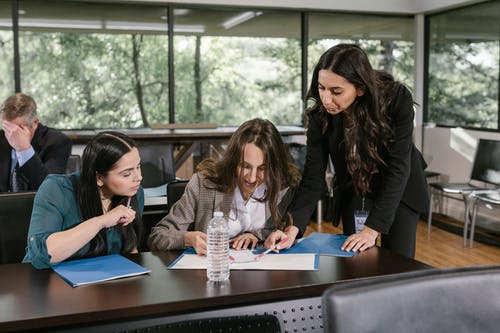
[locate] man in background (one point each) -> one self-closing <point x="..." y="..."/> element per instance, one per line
<point x="29" y="151"/>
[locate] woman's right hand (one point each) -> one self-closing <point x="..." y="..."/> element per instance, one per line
<point x="118" y="215"/>
<point x="198" y="240"/>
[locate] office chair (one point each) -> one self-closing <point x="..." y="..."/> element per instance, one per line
<point x="449" y="300"/>
<point x="157" y="164"/>
<point x="15" y="216"/>
<point x="74" y="163"/>
<point x="485" y="169"/>
<point x="487" y="199"/>
<point x="262" y="323"/>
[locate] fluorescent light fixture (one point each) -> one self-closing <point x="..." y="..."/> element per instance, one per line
<point x="98" y="25"/>
<point x="142" y="26"/>
<point x="240" y="18"/>
<point x="386" y="35"/>
<point x="158" y="27"/>
<point x="472" y="36"/>
<point x="6" y="23"/>
<point x="57" y="23"/>
<point x="192" y="28"/>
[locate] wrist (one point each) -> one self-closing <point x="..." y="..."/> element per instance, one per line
<point x="291" y="230"/>
<point x="371" y="232"/>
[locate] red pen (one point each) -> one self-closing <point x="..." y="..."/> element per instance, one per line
<point x="260" y="255"/>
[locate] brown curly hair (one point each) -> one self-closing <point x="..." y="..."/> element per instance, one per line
<point x="280" y="171"/>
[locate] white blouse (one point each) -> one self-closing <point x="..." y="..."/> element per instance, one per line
<point x="250" y="217"/>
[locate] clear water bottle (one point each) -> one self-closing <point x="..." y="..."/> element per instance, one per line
<point x="217" y="248"/>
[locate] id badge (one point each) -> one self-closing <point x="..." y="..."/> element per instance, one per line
<point x="360" y="217"/>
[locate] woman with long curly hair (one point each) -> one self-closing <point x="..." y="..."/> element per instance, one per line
<point x="252" y="184"/>
<point x="362" y="120"/>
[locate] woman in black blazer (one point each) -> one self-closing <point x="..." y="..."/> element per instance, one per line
<point x="363" y="120"/>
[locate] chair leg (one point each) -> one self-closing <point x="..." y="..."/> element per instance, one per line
<point x="429" y="218"/>
<point x="473" y="225"/>
<point x="466" y="217"/>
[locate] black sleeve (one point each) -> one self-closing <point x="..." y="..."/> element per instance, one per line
<point x="395" y="175"/>
<point x="312" y="185"/>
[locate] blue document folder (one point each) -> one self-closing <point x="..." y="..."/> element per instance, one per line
<point x="320" y="243"/>
<point x="90" y="270"/>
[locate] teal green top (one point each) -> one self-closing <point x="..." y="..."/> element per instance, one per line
<point x="56" y="209"/>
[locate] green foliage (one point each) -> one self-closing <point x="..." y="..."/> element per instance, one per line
<point x="88" y="80"/>
<point x="463" y="84"/>
<point x="6" y="65"/>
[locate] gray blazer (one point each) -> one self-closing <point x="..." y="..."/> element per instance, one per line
<point x="195" y="208"/>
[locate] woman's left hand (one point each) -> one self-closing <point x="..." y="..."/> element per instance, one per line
<point x="361" y="241"/>
<point x="244" y="241"/>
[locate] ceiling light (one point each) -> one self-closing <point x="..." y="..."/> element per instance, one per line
<point x="240" y="18"/>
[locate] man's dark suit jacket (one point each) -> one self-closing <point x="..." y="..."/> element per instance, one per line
<point x="52" y="150"/>
<point x="401" y="181"/>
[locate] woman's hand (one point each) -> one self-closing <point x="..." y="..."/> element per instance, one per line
<point x="244" y="241"/>
<point x="198" y="240"/>
<point x="118" y="215"/>
<point x="361" y="241"/>
<point x="281" y="239"/>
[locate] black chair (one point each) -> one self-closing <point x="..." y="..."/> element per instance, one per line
<point x="486" y="199"/>
<point x="74" y="163"/>
<point x="261" y="323"/>
<point x="452" y="300"/>
<point x="15" y="215"/>
<point x="484" y="168"/>
<point x="175" y="190"/>
<point x="157" y="164"/>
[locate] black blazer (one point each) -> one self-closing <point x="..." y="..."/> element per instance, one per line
<point x="402" y="181"/>
<point x="52" y="150"/>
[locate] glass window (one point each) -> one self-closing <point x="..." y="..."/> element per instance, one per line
<point x="388" y="40"/>
<point x="6" y="51"/>
<point x="464" y="67"/>
<point x="92" y="65"/>
<point x="235" y="64"/>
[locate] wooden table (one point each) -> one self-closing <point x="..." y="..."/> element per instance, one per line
<point x="31" y="299"/>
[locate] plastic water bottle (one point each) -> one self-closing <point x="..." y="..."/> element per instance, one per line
<point x="217" y="248"/>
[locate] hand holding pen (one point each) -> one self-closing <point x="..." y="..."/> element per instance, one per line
<point x="273" y="248"/>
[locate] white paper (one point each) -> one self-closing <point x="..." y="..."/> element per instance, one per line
<point x="295" y="261"/>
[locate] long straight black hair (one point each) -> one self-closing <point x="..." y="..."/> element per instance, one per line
<point x="99" y="157"/>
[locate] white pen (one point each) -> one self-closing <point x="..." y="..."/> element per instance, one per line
<point x="282" y="241"/>
<point x="128" y="202"/>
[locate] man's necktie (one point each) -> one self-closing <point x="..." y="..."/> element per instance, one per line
<point x="14" y="183"/>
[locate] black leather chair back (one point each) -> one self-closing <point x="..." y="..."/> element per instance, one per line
<point x="451" y="300"/>
<point x="15" y="215"/>
<point x="157" y="164"/>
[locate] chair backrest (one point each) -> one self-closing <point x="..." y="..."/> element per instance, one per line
<point x="74" y="163"/>
<point x="298" y="152"/>
<point x="175" y="190"/>
<point x="157" y="164"/>
<point x="450" y="300"/>
<point x="15" y="215"/>
<point x="486" y="166"/>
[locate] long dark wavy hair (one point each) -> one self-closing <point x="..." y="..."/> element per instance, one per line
<point x="367" y="125"/>
<point x="280" y="170"/>
<point x="99" y="157"/>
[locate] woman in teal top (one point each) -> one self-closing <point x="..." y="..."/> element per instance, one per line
<point x="92" y="214"/>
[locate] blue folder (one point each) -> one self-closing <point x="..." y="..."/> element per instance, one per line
<point x="320" y="243"/>
<point x="90" y="270"/>
<point x="316" y="242"/>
